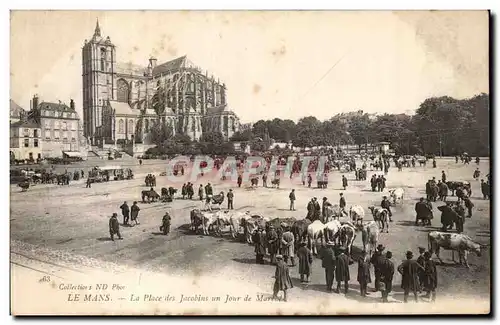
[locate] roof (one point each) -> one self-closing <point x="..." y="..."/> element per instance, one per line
<point x="122" y="108"/>
<point x="129" y="68"/>
<point x="168" y="66"/>
<point x="15" y="109"/>
<point x="26" y="124"/>
<point x="72" y="154"/>
<point x="54" y="106"/>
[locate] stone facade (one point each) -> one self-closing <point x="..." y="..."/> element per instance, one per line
<point x="25" y="140"/>
<point x="121" y="102"/>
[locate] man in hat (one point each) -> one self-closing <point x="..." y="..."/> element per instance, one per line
<point x="386" y="268"/>
<point x="291" y="196"/>
<point x="272" y="243"/>
<point x="288" y="245"/>
<point x="409" y="270"/>
<point x="376" y="260"/>
<point x="309" y="180"/>
<point x="485" y="190"/>
<point x="344" y="182"/>
<point x="282" y="281"/>
<point x="114" y="227"/>
<point x="165" y="223"/>
<point x="260" y="248"/>
<point x="134" y="215"/>
<point x="342" y="202"/>
<point x="324" y="206"/>
<point x="125" y="212"/>
<point x="386" y="204"/>
<point x="230" y="197"/>
<point x="305" y="261"/>
<point x="317" y="209"/>
<point x="342" y="270"/>
<point x="363" y="273"/>
<point x="328" y="262"/>
<point x="430" y="283"/>
<point x="421" y="273"/>
<point x="310" y="210"/>
<point x="200" y="192"/>
<point x="443" y="176"/>
<point x="469" y="205"/>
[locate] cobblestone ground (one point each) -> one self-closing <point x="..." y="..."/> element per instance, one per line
<point x="68" y="227"/>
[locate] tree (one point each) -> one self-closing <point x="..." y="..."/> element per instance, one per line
<point x="158" y="101"/>
<point x="307" y="132"/>
<point x="212" y="142"/>
<point x="160" y="133"/>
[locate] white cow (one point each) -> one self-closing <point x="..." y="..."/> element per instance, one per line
<point x="454" y="242"/>
<point x="315" y="231"/>
<point x="331" y="231"/>
<point x="397" y="195"/>
<point x="357" y="214"/>
<point x="347" y="235"/>
<point x="231" y="219"/>
<point x="370" y="234"/>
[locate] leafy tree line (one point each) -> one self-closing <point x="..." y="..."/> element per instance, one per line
<point x="440" y="126"/>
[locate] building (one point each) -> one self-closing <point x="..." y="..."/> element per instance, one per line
<point x="122" y="102"/>
<point x="25" y="140"/>
<point x="16" y="112"/>
<point x="61" y="128"/>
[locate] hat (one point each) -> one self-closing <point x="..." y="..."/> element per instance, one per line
<point x="409" y="254"/>
<point x="279" y="256"/>
<point x="115" y="215"/>
<point x="421" y="249"/>
<point x="380" y="247"/>
<point x="135" y="202"/>
<point x="341" y="194"/>
<point x="388" y="254"/>
<point x="324" y="198"/>
<point x="385" y="196"/>
<point x="427" y="254"/>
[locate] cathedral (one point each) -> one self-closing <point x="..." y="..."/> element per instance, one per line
<point x="123" y="102"/>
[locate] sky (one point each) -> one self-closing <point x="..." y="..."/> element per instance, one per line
<point x="275" y="64"/>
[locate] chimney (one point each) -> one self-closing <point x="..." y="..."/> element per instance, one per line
<point x="152" y="62"/>
<point x="34" y="102"/>
<point x="72" y="104"/>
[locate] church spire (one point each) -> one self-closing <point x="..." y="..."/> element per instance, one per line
<point x="97" y="31"/>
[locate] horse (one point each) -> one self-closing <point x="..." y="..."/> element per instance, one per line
<point x="315" y="231"/>
<point x="299" y="230"/>
<point x="331" y="230"/>
<point x="347" y="235"/>
<point x="151" y="195"/>
<point x="380" y="215"/>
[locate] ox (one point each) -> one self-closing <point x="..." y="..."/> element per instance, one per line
<point x="299" y="230"/>
<point x="347" y="235"/>
<point x="357" y="214"/>
<point x="332" y="229"/>
<point x="454" y="242"/>
<point x="250" y="223"/>
<point x="231" y="219"/>
<point x="203" y="219"/>
<point x="315" y="231"/>
<point x="369" y="235"/>
<point x="380" y="215"/>
<point x="334" y="212"/>
<point x="397" y="195"/>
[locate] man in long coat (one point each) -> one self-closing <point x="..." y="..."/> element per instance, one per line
<point x="344" y="182"/>
<point x="305" y="261"/>
<point x="288" y="245"/>
<point x="423" y="211"/>
<point x="282" y="281"/>
<point x="165" y="223"/>
<point x="443" y="191"/>
<point x="342" y="270"/>
<point x="328" y="262"/>
<point x="272" y="243"/>
<point x="386" y="268"/>
<point x="375" y="260"/>
<point x="114" y="227"/>
<point x="430" y="283"/>
<point x="292" y="198"/>
<point x="363" y="273"/>
<point x="317" y="209"/>
<point x="469" y="205"/>
<point x="324" y="207"/>
<point x="409" y="270"/>
<point x="310" y="210"/>
<point x="134" y="214"/>
<point x="421" y="273"/>
<point x="125" y="212"/>
<point x="342" y="202"/>
<point x="200" y="192"/>
<point x="260" y="248"/>
<point x="386" y="204"/>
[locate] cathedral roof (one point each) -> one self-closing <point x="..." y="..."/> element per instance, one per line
<point x="129" y="68"/>
<point x="122" y="108"/>
<point x="172" y="65"/>
<point x="15" y="109"/>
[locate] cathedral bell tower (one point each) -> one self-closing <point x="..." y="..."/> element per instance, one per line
<point x="98" y="74"/>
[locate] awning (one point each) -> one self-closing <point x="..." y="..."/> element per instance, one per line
<point x="72" y="154"/>
<point x="109" y="167"/>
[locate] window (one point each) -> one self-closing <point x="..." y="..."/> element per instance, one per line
<point x="73" y="126"/>
<point x="123" y="91"/>
<point x="47" y="124"/>
<point x="26" y="143"/>
<point x="193" y="125"/>
<point x="146" y="125"/>
<point x="56" y="135"/>
<point x="131" y="126"/>
<point x="73" y="135"/>
<point x="64" y="125"/>
<point x="121" y="126"/>
<point x="56" y="125"/>
<point x="225" y="123"/>
<point x="65" y="135"/>
<point x="103" y="59"/>
<point x="47" y="134"/>
<point x="35" y="143"/>
<point x="65" y="115"/>
<point x="35" y="133"/>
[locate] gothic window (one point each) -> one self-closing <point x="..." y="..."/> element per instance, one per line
<point x="193" y="124"/>
<point x="130" y="126"/>
<point x="146" y="125"/>
<point x="123" y="91"/>
<point x="233" y="124"/>
<point x="121" y="126"/>
<point x="103" y="59"/>
<point x="225" y="123"/>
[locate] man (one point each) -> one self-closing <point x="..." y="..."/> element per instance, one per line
<point x="291" y="196"/>
<point x="443" y="191"/>
<point x="342" y="202"/>
<point x="208" y="190"/>
<point x="342" y="270"/>
<point x="376" y="261"/>
<point x="344" y="182"/>
<point x="421" y="273"/>
<point x="434" y="165"/>
<point x="288" y="245"/>
<point x="363" y="273"/>
<point x="409" y="270"/>
<point x="469" y="205"/>
<point x="382" y="183"/>
<point x="134" y="212"/>
<point x="125" y="212"/>
<point x="456" y="159"/>
<point x="443" y="176"/>
<point x="190" y="190"/>
<point x="373" y="182"/>
<point x="310" y="210"/>
<point x="386" y="204"/>
<point x="477" y="160"/>
<point x="317" y="209"/>
<point x="184" y="191"/>
<point x="89" y="183"/>
<point x="200" y="192"/>
<point x="325" y="205"/>
<point x="386" y="275"/>
<point x="422" y="210"/>
<point x="272" y="243"/>
<point x="305" y="262"/>
<point x="309" y="180"/>
<point x="328" y="262"/>
<point x="264" y="180"/>
<point x="379" y="183"/>
<point x="165" y="223"/>
<point x="114" y="227"/>
<point x="230" y="197"/>
<point x="430" y="283"/>
<point x="485" y="189"/>
<point x="239" y="180"/>
<point x="260" y="248"/>
<point x="282" y="281"/>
